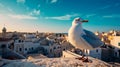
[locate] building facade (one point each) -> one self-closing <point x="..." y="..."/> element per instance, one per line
<point x="116" y="43"/>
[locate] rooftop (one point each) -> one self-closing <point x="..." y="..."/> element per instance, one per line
<point x="5" y="39"/>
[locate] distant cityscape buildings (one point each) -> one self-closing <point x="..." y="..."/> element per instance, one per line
<point x="48" y="44"/>
<point x="18" y="45"/>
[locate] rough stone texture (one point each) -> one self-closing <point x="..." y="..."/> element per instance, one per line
<point x="53" y="62"/>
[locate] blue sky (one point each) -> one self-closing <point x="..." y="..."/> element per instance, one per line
<point x="57" y="15"/>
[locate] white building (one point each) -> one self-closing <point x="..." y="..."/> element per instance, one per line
<point x="96" y="53"/>
<point x="57" y="50"/>
<point x="104" y="54"/>
<point x="5" y="41"/>
<point x="65" y="45"/>
<point x="29" y="44"/>
<point x="116" y="43"/>
<point x="50" y="48"/>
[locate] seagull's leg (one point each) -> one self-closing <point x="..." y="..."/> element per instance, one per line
<point x="86" y="53"/>
<point x="83" y="53"/>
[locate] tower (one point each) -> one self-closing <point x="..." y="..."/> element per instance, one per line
<point x="4" y="32"/>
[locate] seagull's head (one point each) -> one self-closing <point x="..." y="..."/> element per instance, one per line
<point x="78" y="21"/>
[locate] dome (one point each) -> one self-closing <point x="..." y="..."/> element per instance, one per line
<point x="4" y="29"/>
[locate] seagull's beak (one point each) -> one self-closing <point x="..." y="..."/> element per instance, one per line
<point x="83" y="21"/>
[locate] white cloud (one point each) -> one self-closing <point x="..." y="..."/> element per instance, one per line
<point x="90" y="15"/>
<point x="65" y="17"/>
<point x="105" y="7"/>
<point x="35" y="12"/>
<point x="107" y="16"/>
<point x="21" y="1"/>
<point x="111" y="16"/>
<point x="22" y="17"/>
<point x="54" y="1"/>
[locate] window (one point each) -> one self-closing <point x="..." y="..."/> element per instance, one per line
<point x="54" y="48"/>
<point x="22" y="41"/>
<point x="115" y="53"/>
<point x="19" y="41"/>
<point x="25" y="49"/>
<point x="3" y="46"/>
<point x="118" y="44"/>
<point x="20" y="49"/>
<point x="50" y="50"/>
<point x="97" y="50"/>
<point x="119" y="52"/>
<point x="32" y="48"/>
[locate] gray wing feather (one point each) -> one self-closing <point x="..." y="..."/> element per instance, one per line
<point x="92" y="39"/>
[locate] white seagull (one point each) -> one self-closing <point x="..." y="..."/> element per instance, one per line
<point x="81" y="38"/>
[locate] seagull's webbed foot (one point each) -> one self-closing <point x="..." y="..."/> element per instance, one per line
<point x="85" y="60"/>
<point x="80" y="58"/>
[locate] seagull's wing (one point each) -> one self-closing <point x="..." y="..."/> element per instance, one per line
<point x="92" y="39"/>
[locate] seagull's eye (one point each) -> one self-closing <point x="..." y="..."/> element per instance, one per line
<point x="77" y="20"/>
